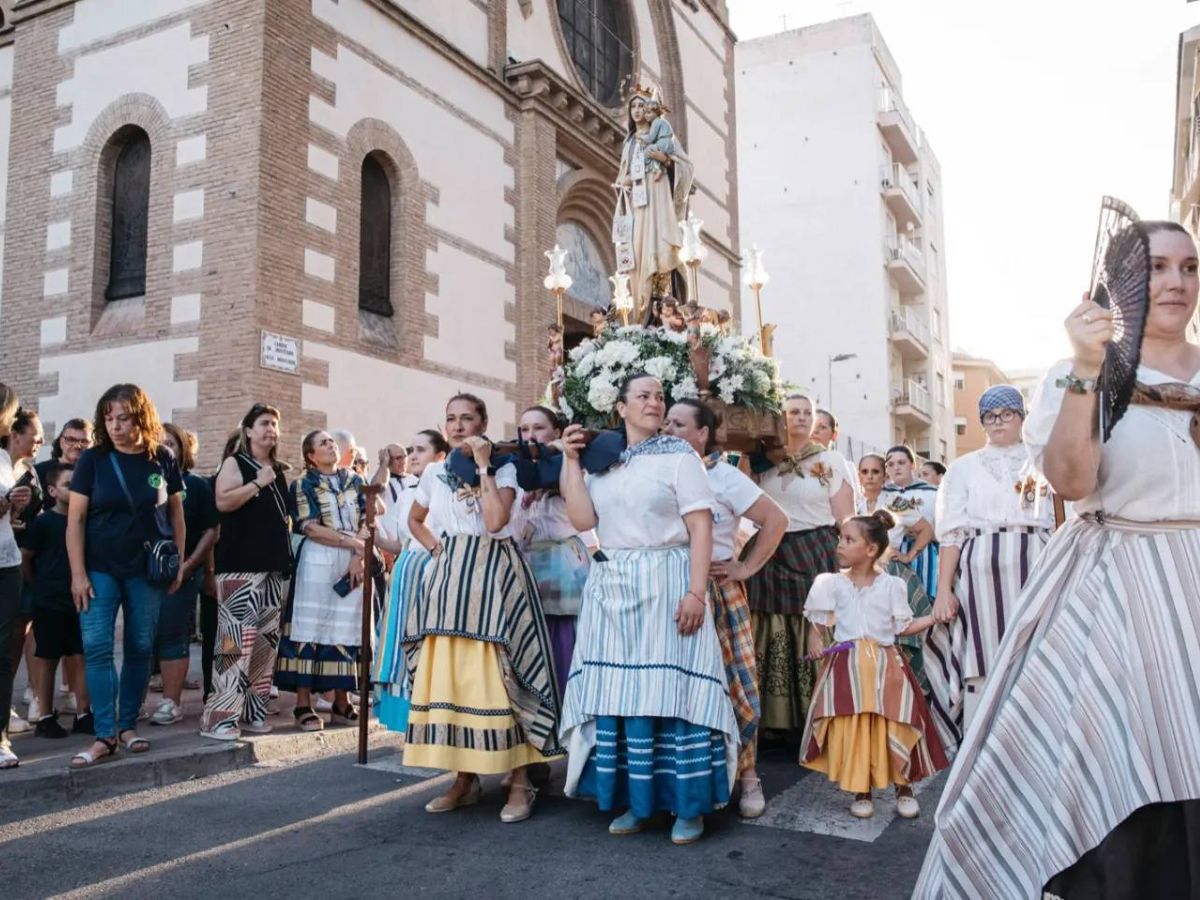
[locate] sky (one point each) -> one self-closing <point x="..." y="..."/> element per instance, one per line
<point x="1035" y="110"/>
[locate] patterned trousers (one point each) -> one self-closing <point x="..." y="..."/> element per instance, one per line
<point x="731" y="614"/>
<point x="244" y="657"/>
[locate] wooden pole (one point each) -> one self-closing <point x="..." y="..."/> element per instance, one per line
<point x="558" y="295"/>
<point x="371" y="491"/>
<point x="762" y="335"/>
<point x="1060" y="511"/>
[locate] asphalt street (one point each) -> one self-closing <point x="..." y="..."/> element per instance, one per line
<point x="329" y="828"/>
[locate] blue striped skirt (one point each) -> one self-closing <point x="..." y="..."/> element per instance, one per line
<point x="925" y="565"/>
<point x="389" y="671"/>
<point x="645" y="765"/>
<point x="632" y="665"/>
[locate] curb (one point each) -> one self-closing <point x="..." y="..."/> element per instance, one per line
<point x="128" y="774"/>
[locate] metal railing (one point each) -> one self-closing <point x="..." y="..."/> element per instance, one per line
<point x="890" y="101"/>
<point x="896" y="176"/>
<point x="917" y="396"/>
<point x="903" y="247"/>
<point x="905" y="319"/>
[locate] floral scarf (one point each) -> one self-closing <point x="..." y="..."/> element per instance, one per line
<point x="792" y="464"/>
<point x="1175" y="395"/>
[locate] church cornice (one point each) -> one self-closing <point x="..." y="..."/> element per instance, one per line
<point x="536" y="85"/>
<point x="23" y="10"/>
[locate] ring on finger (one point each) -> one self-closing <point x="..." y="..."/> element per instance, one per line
<point x="1087" y="318"/>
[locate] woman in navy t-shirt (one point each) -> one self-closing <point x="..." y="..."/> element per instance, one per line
<point x="106" y="541"/>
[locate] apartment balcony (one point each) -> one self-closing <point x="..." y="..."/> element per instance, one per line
<point x="909" y="333"/>
<point x="905" y="264"/>
<point x="898" y="129"/>
<point x="912" y="406"/>
<point x="901" y="194"/>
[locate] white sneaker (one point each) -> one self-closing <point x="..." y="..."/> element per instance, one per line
<point x="907" y="806"/>
<point x="17" y="725"/>
<point x="262" y="727"/>
<point x="8" y="759"/>
<point x="274" y="692"/>
<point x="752" y="803"/>
<point x="168" y="713"/>
<point x="862" y="809"/>
<point x="320" y="704"/>
<point x="68" y="704"/>
<point x="35" y="711"/>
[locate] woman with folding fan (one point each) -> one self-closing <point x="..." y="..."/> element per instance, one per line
<point x="1080" y="775"/>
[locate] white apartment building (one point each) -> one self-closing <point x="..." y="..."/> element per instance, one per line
<point x="839" y="187"/>
<point x="1185" y="183"/>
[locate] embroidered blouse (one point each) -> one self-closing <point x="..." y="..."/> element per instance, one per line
<point x="334" y="501"/>
<point x="806" y="498"/>
<point x="878" y="611"/>
<point x="908" y="504"/>
<point x="991" y="488"/>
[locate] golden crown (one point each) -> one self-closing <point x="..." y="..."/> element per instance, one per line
<point x="646" y="91"/>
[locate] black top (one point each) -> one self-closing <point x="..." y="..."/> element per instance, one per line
<point x="46" y="539"/>
<point x="257" y="536"/>
<point x="43" y="474"/>
<point x="115" y="540"/>
<point x="31" y="478"/>
<point x="199" y="510"/>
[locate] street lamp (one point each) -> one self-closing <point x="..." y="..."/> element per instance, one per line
<point x="841" y="357"/>
<point x="755" y="277"/>
<point x="558" y="282"/>
<point x="692" y="253"/>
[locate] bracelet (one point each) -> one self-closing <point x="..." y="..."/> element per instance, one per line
<point x="697" y="596"/>
<point x="1073" y="384"/>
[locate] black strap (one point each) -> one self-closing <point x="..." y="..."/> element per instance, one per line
<point x="129" y="498"/>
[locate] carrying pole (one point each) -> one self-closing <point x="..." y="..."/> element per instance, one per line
<point x="370" y="491"/>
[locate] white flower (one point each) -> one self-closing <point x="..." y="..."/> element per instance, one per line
<point x="725" y="392"/>
<point x="673" y="337"/>
<point x="584" y="348"/>
<point x="626" y="331"/>
<point x="585" y="364"/>
<point x="685" y="387"/>
<point x="661" y="367"/>
<point x="565" y="408"/>
<point x="617" y="352"/>
<point x="727" y="346"/>
<point x="707" y="329"/>
<point x="602" y="395"/>
<point x="761" y="381"/>
<point x="735" y="382"/>
<point x="716" y="368"/>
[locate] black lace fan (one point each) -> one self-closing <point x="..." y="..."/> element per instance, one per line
<point x="1120" y="282"/>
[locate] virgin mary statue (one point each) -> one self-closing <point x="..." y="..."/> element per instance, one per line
<point x="649" y="210"/>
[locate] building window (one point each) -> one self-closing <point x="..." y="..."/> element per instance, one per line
<point x="597" y="34"/>
<point x="945" y="450"/>
<point x="960" y="381"/>
<point x="941" y="389"/>
<point x="130" y="218"/>
<point x="375" y="240"/>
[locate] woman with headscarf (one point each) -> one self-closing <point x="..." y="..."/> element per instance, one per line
<point x="913" y="504"/>
<point x="1079" y="776"/>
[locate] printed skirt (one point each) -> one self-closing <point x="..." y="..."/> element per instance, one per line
<point x="868" y="726"/>
<point x="560" y="569"/>
<point x="319" y="633"/>
<point x="925" y="565"/>
<point x="478" y="653"/>
<point x="639" y="688"/>
<point x="1089" y="714"/>
<point x="390" y="671"/>
<point x="785" y="675"/>
<point x="731" y="614"/>
<point x="782" y="585"/>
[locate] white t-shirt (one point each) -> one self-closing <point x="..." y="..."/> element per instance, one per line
<point x="878" y="611"/>
<point x="10" y="554"/>
<point x="806" y="499"/>
<point x="1150" y="467"/>
<point x="991" y="488"/>
<point x="735" y="493"/>
<point x="640" y="504"/>
<point x="461" y="511"/>
<point x="398" y="496"/>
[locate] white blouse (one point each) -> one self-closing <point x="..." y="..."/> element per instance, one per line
<point x="398" y="496"/>
<point x="542" y="516"/>
<point x="640" y="504"/>
<point x="735" y="493"/>
<point x="10" y="555"/>
<point x="879" y="611"/>
<point x="461" y="511"/>
<point x="1150" y="467"/>
<point x="907" y="505"/>
<point x="806" y="499"/>
<point x="992" y="488"/>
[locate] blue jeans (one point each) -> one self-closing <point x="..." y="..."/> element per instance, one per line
<point x="115" y="704"/>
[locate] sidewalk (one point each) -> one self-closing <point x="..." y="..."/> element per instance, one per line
<point x="177" y="752"/>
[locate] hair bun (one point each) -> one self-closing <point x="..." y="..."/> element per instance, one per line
<point x="885" y="518"/>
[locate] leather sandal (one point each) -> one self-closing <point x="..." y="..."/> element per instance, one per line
<point x="307" y="720"/>
<point x="85" y="758"/>
<point x="519" y="812"/>
<point x="447" y="802"/>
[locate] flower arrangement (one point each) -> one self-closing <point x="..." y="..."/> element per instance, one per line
<point x="732" y="370"/>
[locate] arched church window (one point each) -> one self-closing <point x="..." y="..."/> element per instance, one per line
<point x="130" y="217"/>
<point x="375" y="240"/>
<point x="598" y="37"/>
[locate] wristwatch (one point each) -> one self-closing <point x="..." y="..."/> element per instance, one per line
<point x="488" y="470"/>
<point x="1076" y="385"/>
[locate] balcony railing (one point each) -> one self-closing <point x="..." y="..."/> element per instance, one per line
<point x="901" y="192"/>
<point x="897" y="125"/>
<point x="908" y="249"/>
<point x="915" y="395"/>
<point x="905" y="319"/>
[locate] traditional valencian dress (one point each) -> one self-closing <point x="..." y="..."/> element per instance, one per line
<point x="909" y="504"/>
<point x="647" y="721"/>
<point x="868" y="726"/>
<point x="1080" y="773"/>
<point x="483" y="695"/>
<point x="735" y="493"/>
<point x="995" y="507"/>
<point x="803" y="485"/>
<point x="390" y="671"/>
<point x="321" y="631"/>
<point x="558" y="556"/>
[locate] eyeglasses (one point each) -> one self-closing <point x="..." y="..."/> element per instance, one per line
<point x="75" y="442"/>
<point x="1004" y="415"/>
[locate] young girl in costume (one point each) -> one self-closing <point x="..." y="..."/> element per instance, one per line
<point x="868" y="726"/>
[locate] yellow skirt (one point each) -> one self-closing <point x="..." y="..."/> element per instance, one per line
<point x="460" y="718"/>
<point x="855" y="751"/>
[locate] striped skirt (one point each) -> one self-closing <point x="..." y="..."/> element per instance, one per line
<point x="560" y="569"/>
<point x="925" y="565"/>
<point x="867" y="696"/>
<point x="782" y="585"/>
<point x="478" y="589"/>
<point x="913" y="646"/>
<point x="1092" y="711"/>
<point x="631" y="662"/>
<point x="319" y="631"/>
<point x="731" y="614"/>
<point x="390" y="671"/>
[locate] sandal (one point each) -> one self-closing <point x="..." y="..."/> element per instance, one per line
<point x="307" y="720"/>
<point x="85" y="758"/>
<point x="135" y="744"/>
<point x="347" y="716"/>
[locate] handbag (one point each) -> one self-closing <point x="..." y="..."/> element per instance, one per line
<point x="162" y="555"/>
<point x="622" y="226"/>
